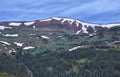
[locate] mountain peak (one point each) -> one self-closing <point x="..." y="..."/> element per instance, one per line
<point x="77" y="22"/>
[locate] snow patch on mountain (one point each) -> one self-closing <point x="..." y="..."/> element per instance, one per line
<point x="4" y="27"/>
<point x="78" y="32"/>
<point x="110" y="25"/>
<point x="29" y="47"/>
<point x="56" y="18"/>
<point x="45" y="37"/>
<point x="45" y="20"/>
<point x="34" y="27"/>
<point x="84" y="29"/>
<point x="77" y="47"/>
<point x="15" y="24"/>
<point x="18" y="44"/>
<point x="4" y="42"/>
<point x="69" y="20"/>
<point x="11" y="35"/>
<point x="29" y="23"/>
<point x="11" y="51"/>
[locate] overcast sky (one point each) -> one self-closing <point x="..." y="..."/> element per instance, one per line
<point x="94" y="11"/>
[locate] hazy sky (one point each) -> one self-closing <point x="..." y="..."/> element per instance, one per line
<point x="95" y="11"/>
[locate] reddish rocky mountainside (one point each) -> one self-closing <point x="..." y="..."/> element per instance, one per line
<point x="72" y="25"/>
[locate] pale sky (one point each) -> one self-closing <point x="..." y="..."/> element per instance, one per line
<point x="94" y="11"/>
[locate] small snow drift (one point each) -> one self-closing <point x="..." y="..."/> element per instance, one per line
<point x="77" y="47"/>
<point x="45" y="37"/>
<point x="110" y="25"/>
<point x="45" y="20"/>
<point x="18" y="44"/>
<point x="34" y="27"/>
<point x="78" y="32"/>
<point x="11" y="35"/>
<point x="4" y="42"/>
<point x="4" y="27"/>
<point x="29" y="47"/>
<point x="11" y="51"/>
<point x="29" y="23"/>
<point x="14" y="24"/>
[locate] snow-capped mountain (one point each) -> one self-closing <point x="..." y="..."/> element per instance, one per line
<point x="75" y="26"/>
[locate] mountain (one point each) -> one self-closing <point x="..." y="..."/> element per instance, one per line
<point x="72" y="25"/>
<point x="59" y="47"/>
<point x="47" y="32"/>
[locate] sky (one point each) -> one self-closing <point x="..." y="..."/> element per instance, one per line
<point x="94" y="11"/>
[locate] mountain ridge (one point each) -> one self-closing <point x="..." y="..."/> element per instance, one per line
<point x="59" y="47"/>
<point x="73" y="24"/>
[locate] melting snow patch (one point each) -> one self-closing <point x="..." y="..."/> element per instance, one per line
<point x="34" y="27"/>
<point x="93" y="34"/>
<point x="18" y="44"/>
<point x="84" y="29"/>
<point x="15" y="24"/>
<point x="78" y="32"/>
<point x="46" y="19"/>
<point x="4" y="27"/>
<point x="11" y="35"/>
<point x="45" y="37"/>
<point x="56" y="18"/>
<point x="29" y="23"/>
<point x="90" y="35"/>
<point x="4" y="42"/>
<point x="102" y="25"/>
<point x="29" y="47"/>
<point x="10" y="51"/>
<point x="69" y="20"/>
<point x="110" y="25"/>
<point x="77" y="47"/>
<point x="77" y="23"/>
